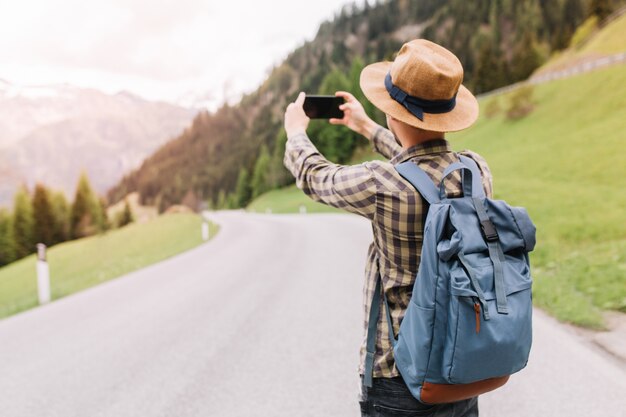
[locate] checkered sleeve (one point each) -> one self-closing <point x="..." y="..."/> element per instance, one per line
<point x="348" y="187"/>
<point x="384" y="142"/>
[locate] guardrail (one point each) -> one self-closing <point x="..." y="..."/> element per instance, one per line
<point x="582" y="68"/>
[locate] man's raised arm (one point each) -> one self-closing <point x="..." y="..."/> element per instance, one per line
<point x="357" y="120"/>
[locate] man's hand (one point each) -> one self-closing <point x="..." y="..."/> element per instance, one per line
<point x="354" y="116"/>
<point x="296" y="121"/>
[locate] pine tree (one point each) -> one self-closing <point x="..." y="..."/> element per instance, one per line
<point x="334" y="81"/>
<point x="232" y="201"/>
<point x="526" y="57"/>
<point x="354" y="78"/>
<point x="221" y="202"/>
<point x="278" y="175"/>
<point x="340" y="52"/>
<point x="600" y="8"/>
<point x="572" y="15"/>
<point x="23" y="223"/>
<point x="259" y="182"/>
<point x="7" y="245"/>
<point x="335" y="142"/>
<point x="494" y="21"/>
<point x="490" y="72"/>
<point x="243" y="192"/>
<point x="86" y="217"/>
<point x="125" y="216"/>
<point x="61" y="213"/>
<point x="43" y="216"/>
<point x="104" y="223"/>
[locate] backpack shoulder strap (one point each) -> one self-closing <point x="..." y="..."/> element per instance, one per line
<point x="370" y="347"/>
<point x="420" y="180"/>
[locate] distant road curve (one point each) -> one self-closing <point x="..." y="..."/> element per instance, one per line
<point x="263" y="320"/>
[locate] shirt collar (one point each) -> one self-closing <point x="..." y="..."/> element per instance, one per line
<point x="421" y="149"/>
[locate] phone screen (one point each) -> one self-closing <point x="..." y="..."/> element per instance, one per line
<point x="323" y="107"/>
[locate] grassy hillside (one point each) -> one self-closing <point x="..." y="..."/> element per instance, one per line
<point x="564" y="162"/>
<point x="609" y="40"/>
<point x="83" y="263"/>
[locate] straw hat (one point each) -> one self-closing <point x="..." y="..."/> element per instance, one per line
<point x="422" y="88"/>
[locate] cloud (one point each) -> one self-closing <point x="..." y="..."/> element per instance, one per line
<point x="168" y="44"/>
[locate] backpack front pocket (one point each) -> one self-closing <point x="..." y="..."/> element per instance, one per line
<point x="478" y="345"/>
<point x="413" y="347"/>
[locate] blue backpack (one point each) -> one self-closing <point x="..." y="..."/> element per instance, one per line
<point x="469" y="323"/>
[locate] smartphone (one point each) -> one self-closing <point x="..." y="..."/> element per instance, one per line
<point x="323" y="107"/>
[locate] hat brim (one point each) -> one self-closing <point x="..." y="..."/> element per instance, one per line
<point x="463" y="115"/>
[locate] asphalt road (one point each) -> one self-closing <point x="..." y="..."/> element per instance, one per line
<point x="264" y="320"/>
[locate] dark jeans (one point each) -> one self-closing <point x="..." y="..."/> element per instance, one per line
<point x="390" y="397"/>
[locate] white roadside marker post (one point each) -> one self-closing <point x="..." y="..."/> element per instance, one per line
<point x="205" y="231"/>
<point x="43" y="275"/>
<point x="302" y="210"/>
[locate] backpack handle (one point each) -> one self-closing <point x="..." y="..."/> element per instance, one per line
<point x="470" y="178"/>
<point x="477" y="182"/>
<point x="466" y="179"/>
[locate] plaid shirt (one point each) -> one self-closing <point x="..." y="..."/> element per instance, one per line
<point x="397" y="211"/>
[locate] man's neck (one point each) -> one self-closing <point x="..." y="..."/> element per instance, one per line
<point x="417" y="137"/>
<point x="408" y="135"/>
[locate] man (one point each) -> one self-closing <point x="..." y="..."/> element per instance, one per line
<point x="421" y="94"/>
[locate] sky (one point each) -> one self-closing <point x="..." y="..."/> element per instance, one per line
<point x="171" y="50"/>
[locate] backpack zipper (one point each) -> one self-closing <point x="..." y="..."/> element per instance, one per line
<point x="477" y="310"/>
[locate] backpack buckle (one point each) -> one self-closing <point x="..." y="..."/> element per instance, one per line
<point x="489" y="231"/>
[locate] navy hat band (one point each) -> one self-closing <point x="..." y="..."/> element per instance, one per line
<point x="415" y="105"/>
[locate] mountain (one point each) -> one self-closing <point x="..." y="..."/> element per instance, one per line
<point x="50" y="133"/>
<point x="498" y="42"/>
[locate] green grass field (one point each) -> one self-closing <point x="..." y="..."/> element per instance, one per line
<point x="564" y="162"/>
<point x="288" y="200"/>
<point x="609" y="40"/>
<point x="84" y="263"/>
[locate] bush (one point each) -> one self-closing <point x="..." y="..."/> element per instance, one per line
<point x="520" y="103"/>
<point x="124" y="217"/>
<point x="492" y="108"/>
